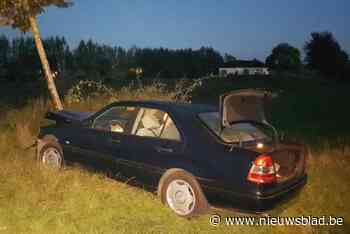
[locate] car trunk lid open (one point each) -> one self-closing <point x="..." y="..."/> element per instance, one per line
<point x="278" y="163"/>
<point x="242" y="106"/>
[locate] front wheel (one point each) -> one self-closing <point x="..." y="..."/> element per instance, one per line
<point x="181" y="192"/>
<point x="51" y="155"/>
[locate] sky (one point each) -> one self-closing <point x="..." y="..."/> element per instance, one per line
<point x="246" y="29"/>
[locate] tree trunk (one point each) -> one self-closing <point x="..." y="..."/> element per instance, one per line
<point x="45" y="64"/>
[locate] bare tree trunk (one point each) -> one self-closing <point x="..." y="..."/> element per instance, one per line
<point x="45" y="64"/>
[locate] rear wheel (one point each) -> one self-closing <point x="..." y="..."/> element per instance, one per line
<point x="51" y="155"/>
<point x="181" y="192"/>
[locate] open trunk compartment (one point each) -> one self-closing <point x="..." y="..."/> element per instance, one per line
<point x="289" y="161"/>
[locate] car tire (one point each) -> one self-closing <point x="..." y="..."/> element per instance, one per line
<point x="180" y="191"/>
<point x="51" y="155"/>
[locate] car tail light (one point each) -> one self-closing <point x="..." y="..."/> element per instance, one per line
<point x="262" y="170"/>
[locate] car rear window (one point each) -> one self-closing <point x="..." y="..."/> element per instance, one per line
<point x="240" y="132"/>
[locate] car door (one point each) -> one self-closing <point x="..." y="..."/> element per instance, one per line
<point x="75" y="144"/>
<point x="101" y="142"/>
<point x="108" y="137"/>
<point x="155" y="145"/>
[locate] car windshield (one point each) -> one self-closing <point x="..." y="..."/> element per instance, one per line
<point x="239" y="132"/>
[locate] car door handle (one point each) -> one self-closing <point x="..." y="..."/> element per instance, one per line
<point x="160" y="149"/>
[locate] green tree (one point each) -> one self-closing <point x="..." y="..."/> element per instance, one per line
<point x="24" y="56"/>
<point x="57" y="51"/>
<point x="96" y="61"/>
<point x="5" y="49"/>
<point x="229" y="58"/>
<point x="324" y="54"/>
<point x="284" y="57"/>
<point x="22" y="14"/>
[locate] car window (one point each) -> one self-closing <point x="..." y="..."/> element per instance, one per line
<point x="116" y="119"/>
<point x="155" y="123"/>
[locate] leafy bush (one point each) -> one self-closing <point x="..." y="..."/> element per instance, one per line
<point x="88" y="90"/>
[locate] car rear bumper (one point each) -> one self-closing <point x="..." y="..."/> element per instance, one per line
<point x="270" y="201"/>
<point x="256" y="203"/>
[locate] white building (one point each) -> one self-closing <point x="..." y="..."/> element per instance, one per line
<point x="239" y="71"/>
<point x="243" y="67"/>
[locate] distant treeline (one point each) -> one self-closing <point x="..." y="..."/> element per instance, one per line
<point x="90" y="60"/>
<point x="19" y="60"/>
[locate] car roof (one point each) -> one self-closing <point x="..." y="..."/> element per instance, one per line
<point x="172" y="106"/>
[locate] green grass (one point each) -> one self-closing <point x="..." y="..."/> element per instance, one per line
<point x="38" y="200"/>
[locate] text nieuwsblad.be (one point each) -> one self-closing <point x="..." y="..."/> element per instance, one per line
<point x="285" y="221"/>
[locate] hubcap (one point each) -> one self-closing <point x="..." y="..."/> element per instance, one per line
<point x="180" y="197"/>
<point x="52" y="158"/>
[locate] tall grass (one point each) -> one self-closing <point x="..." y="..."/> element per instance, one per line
<point x="38" y="200"/>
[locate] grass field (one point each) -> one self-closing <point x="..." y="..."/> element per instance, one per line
<point x="38" y="200"/>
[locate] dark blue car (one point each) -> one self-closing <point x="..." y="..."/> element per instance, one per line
<point x="191" y="154"/>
